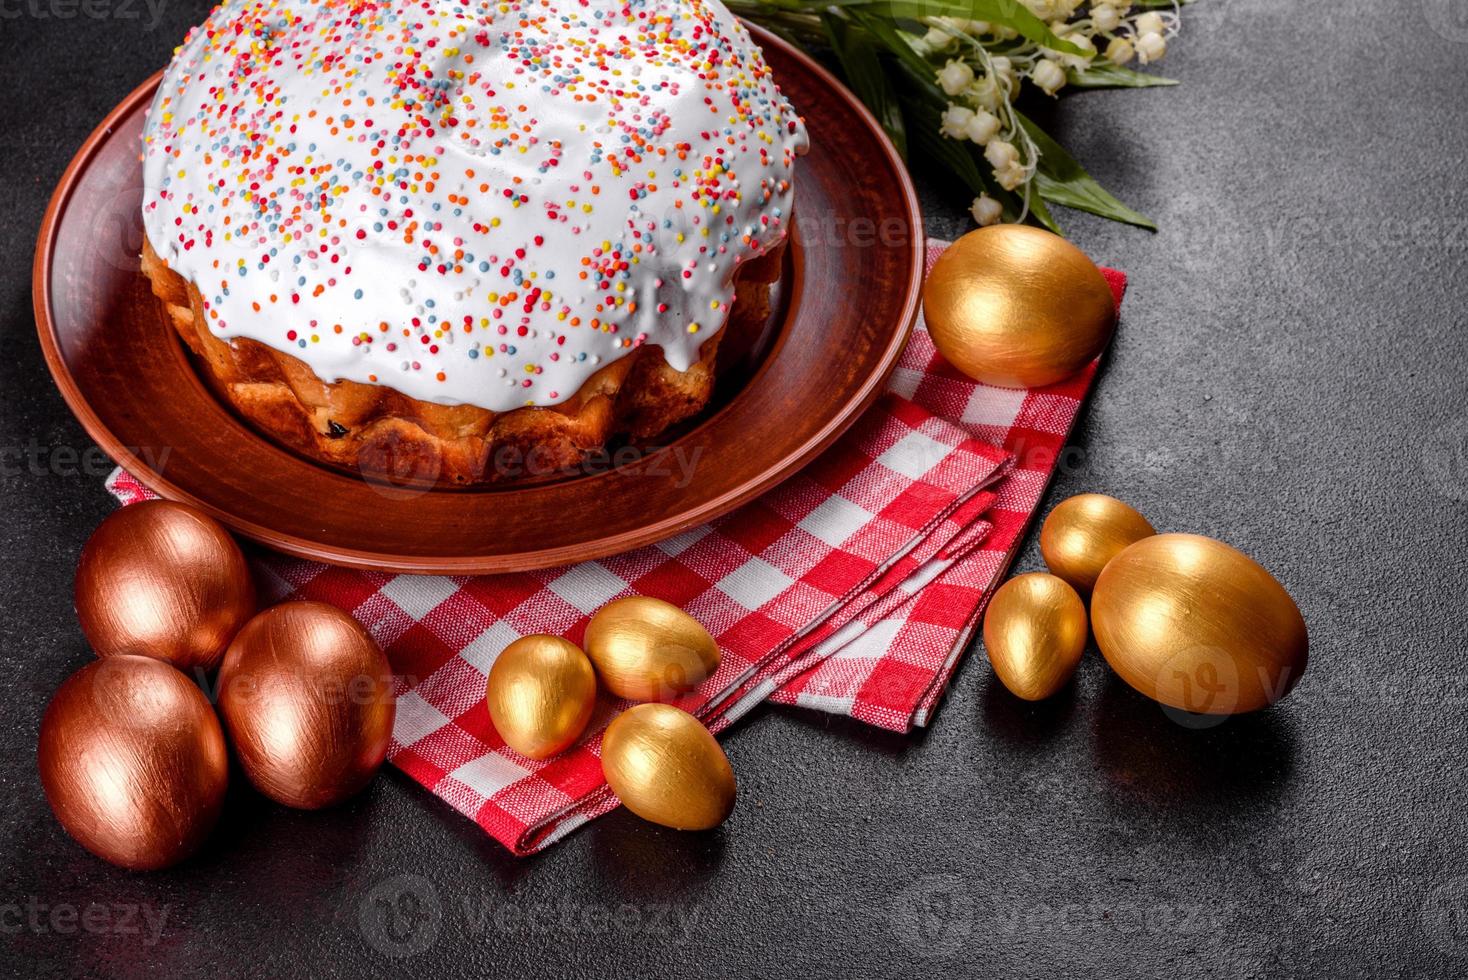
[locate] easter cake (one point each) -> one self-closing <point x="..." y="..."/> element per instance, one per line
<point x="465" y="242"/>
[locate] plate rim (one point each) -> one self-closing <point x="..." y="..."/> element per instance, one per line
<point x="649" y="533"/>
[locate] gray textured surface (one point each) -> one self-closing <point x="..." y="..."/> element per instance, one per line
<point x="1290" y="376"/>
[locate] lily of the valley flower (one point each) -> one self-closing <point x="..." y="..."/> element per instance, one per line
<point x="955" y="121"/>
<point x="986" y="210"/>
<point x="982" y="84"/>
<point x="1105" y="18"/>
<point x="985" y="92"/>
<point x="1088" y="51"/>
<point x="938" y="39"/>
<point x="1120" y="51"/>
<point x="1049" y="76"/>
<point x="1151" y="47"/>
<point x="1009" y="169"/>
<point x="962" y="123"/>
<point x="1149" y="23"/>
<point x="954" y="77"/>
<point x="1003" y="71"/>
<point x="982" y="127"/>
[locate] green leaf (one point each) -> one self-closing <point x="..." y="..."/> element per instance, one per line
<point x="1039" y="210"/>
<point x="1113" y="76"/>
<point x="1010" y="13"/>
<point x="1062" y="180"/>
<point x="881" y="28"/>
<point x="863" y="71"/>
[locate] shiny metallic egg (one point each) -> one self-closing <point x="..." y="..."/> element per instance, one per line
<point x="307" y="697"/>
<point x="1197" y="625"/>
<point x="165" y="580"/>
<point x="1085" y="532"/>
<point x="133" y="761"/>
<point x="540" y="693"/>
<point x="646" y="649"/>
<point x="1018" y="307"/>
<point x="666" y="767"/>
<point x="1034" y="633"/>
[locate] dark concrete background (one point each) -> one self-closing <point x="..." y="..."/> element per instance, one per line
<point x="1290" y="377"/>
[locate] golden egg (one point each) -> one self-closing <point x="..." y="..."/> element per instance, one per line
<point x="1085" y="532"/>
<point x="1197" y="625"/>
<point x="163" y="580"/>
<point x="666" y="767"/>
<point x="649" y="650"/>
<point x="1035" y="633"/>
<point x="541" y="691"/>
<point x="1018" y="307"/>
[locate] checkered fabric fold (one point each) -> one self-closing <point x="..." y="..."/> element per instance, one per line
<point x="852" y="588"/>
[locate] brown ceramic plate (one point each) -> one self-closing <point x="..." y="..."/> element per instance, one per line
<point x="846" y="305"/>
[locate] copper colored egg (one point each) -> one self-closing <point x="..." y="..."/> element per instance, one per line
<point x="133" y="761"/>
<point x="1085" y="532"/>
<point x="163" y="580"/>
<point x="666" y="767"/>
<point x="307" y="697"/>
<point x="1197" y="625"/>
<point x="540" y="693"/>
<point x="1034" y="634"/>
<point x="649" y="650"/>
<point x="1018" y="307"/>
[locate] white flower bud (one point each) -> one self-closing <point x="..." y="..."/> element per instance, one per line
<point x="985" y="92"/>
<point x="1049" y="76"/>
<point x="986" y="210"/>
<point x="1088" y="51"/>
<point x="1149" y="23"/>
<point x="1120" y="51"/>
<point x="1003" y="70"/>
<point x="1012" y="176"/>
<point x="982" y="127"/>
<point x="1000" y="153"/>
<point x="1150" y="48"/>
<point x="1105" y="18"/>
<point x="955" y="77"/>
<point x="979" y="27"/>
<point x="955" y="121"/>
<point x="938" y="39"/>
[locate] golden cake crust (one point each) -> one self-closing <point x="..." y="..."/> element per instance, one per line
<point x="383" y="434"/>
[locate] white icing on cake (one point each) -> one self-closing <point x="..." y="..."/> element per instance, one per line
<point x="471" y="203"/>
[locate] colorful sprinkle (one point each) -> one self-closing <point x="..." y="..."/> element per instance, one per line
<point x="439" y="171"/>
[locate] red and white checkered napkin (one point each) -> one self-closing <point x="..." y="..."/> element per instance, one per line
<point x="854" y="587"/>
